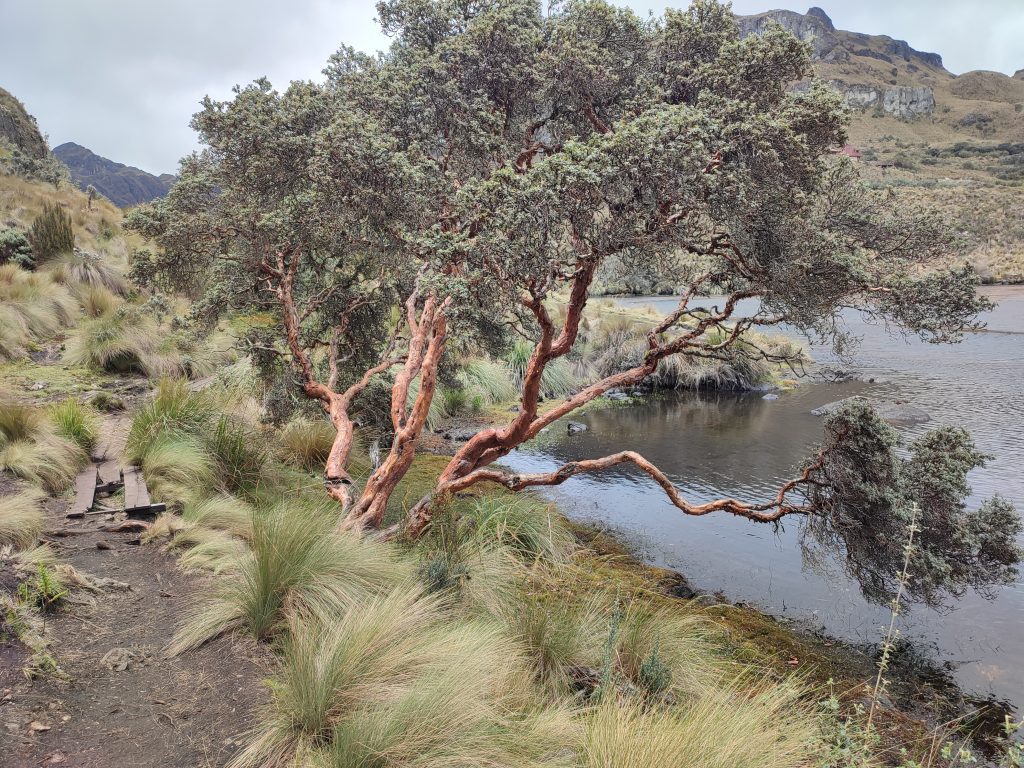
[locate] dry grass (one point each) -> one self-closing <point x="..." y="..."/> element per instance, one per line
<point x="31" y="448"/>
<point x="33" y="308"/>
<point x="21" y="519"/>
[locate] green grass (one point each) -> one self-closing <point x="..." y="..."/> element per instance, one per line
<point x="524" y="524"/>
<point x="731" y="729"/>
<point x="295" y="561"/>
<point x="32" y="449"/>
<point x="76" y="422"/>
<point x="21" y="519"/>
<point x="306" y="443"/>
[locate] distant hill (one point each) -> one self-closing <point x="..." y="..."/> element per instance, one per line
<point x="122" y="184"/>
<point x="19" y="127"/>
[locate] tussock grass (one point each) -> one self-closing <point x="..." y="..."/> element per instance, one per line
<point x="529" y="527"/>
<point x="392" y="683"/>
<point x="119" y="342"/>
<point x="306" y="443"/>
<point x="31" y="448"/>
<point x="558" y="379"/>
<point x="177" y="467"/>
<point x="95" y="300"/>
<point x="76" y="422"/>
<point x="562" y="639"/>
<point x="487" y="382"/>
<point x="733" y="729"/>
<point x="33" y="308"/>
<point x="21" y="519"/>
<point x="296" y="560"/>
<point x="79" y="268"/>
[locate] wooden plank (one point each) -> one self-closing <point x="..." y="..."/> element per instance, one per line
<point x="110" y="476"/>
<point x="136" y="495"/>
<point x="85" y="492"/>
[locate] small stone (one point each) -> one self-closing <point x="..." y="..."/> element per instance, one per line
<point x="38" y="727"/>
<point x="103" y="545"/>
<point x="770" y="396"/>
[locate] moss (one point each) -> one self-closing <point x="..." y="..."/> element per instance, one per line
<point x="24" y="377"/>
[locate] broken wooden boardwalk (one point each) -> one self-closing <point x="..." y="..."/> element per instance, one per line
<point x="106" y="477"/>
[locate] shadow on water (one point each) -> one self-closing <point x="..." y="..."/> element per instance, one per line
<point x="742" y="445"/>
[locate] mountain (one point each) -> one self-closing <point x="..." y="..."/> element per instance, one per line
<point x="882" y="77"/>
<point x="122" y="184"/>
<point x="19" y="127"/>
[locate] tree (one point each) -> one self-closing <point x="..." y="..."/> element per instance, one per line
<point x="492" y="161"/>
<point x="91" y="192"/>
<point x="51" y="233"/>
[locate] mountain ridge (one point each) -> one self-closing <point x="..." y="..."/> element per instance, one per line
<point x="124" y="185"/>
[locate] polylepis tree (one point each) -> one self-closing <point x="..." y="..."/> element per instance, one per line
<point x="492" y="160"/>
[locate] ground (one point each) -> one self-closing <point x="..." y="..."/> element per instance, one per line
<point x="120" y="701"/>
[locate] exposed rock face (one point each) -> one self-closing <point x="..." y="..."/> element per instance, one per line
<point x="19" y="127"/>
<point x="815" y="28"/>
<point x="907" y="102"/>
<point x="831" y="44"/>
<point x="122" y="184"/>
<point x="902" y="101"/>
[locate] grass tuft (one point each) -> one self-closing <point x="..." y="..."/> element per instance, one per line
<point x="306" y="443"/>
<point x="21" y="519"/>
<point x="76" y="422"/>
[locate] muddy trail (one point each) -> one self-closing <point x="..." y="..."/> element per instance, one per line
<point x="118" y="701"/>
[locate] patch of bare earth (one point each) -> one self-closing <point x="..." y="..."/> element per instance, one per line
<point x="121" y="702"/>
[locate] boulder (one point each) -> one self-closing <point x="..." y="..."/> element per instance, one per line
<point x="575" y="427"/>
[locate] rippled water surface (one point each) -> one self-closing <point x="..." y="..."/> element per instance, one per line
<point x="745" y="446"/>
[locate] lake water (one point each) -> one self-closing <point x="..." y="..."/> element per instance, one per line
<point x="715" y="445"/>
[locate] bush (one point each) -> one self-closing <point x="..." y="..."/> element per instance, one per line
<point x="16" y="249"/>
<point x="77" y="267"/>
<point x="51" y="233"/>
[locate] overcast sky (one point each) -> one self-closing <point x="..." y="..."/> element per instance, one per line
<point x="123" y="77"/>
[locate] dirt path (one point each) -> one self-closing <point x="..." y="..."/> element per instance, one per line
<point x="123" y="703"/>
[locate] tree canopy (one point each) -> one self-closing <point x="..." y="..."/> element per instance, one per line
<point x="484" y="168"/>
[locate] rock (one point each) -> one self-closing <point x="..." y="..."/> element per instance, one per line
<point x="770" y="396"/>
<point x="616" y="395"/>
<point x="39" y="385"/>
<point x="828" y="408"/>
<point x="575" y="427"/>
<point x="104" y="545"/>
<point x="38" y="727"/>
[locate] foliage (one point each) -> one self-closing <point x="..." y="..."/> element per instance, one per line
<point x="864" y="500"/>
<point x="16" y="249"/>
<point x="51" y="233"/>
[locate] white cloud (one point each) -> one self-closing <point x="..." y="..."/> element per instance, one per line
<point x="123" y="77"/>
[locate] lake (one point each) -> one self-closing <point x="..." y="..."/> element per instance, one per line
<point x="742" y="445"/>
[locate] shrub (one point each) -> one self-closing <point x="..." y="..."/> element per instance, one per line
<point x="16" y="249"/>
<point x="21" y="519"/>
<point x="51" y="233"/>
<point x="76" y="422"/>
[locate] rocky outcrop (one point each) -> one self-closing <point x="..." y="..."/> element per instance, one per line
<point x="902" y="101"/>
<point x="908" y="102"/>
<point x="815" y="28"/>
<point x="122" y="184"/>
<point x="832" y="45"/>
<point x="19" y="128"/>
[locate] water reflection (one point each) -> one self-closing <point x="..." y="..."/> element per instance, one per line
<point x="745" y="446"/>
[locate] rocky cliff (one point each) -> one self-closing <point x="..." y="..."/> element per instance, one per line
<point x="19" y="127"/>
<point x="122" y="184"/>
<point x="871" y="71"/>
